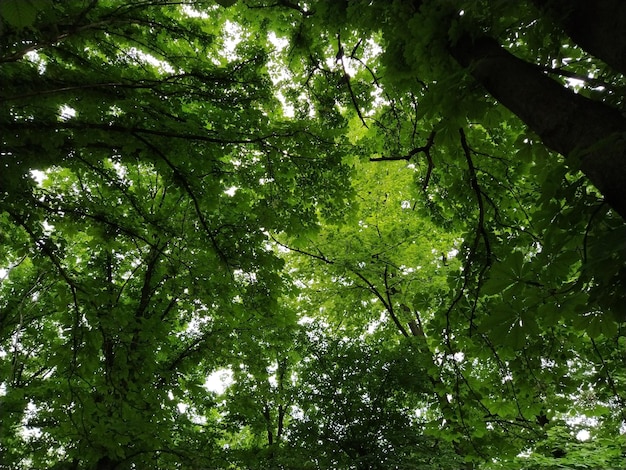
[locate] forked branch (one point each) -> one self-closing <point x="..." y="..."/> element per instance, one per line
<point x="425" y="149"/>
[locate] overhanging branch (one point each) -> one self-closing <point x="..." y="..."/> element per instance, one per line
<point x="384" y="297"/>
<point x="183" y="180"/>
<point x="346" y="79"/>
<point x="589" y="133"/>
<point x="425" y="149"/>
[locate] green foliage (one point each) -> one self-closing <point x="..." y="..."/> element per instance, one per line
<point x="21" y="14"/>
<point x="316" y="198"/>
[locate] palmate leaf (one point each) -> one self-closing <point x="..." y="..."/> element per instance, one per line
<point x="21" y="13"/>
<point x="500" y="279"/>
<point x="596" y="325"/>
<point x="506" y="273"/>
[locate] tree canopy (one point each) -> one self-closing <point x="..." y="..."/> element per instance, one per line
<point x="251" y="234"/>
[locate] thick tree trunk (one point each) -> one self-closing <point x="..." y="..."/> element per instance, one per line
<point x="589" y="133"/>
<point x="599" y="26"/>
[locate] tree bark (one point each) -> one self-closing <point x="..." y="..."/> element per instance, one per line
<point x="599" y="27"/>
<point x="590" y="134"/>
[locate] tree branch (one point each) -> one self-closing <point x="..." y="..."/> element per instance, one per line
<point x="425" y="149"/>
<point x="385" y="299"/>
<point x="346" y="79"/>
<point x="589" y="133"/>
<point x="192" y="195"/>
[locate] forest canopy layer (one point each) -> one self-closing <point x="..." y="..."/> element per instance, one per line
<point x="336" y="234"/>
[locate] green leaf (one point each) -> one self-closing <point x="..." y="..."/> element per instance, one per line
<point x="499" y="281"/>
<point x="516" y="337"/>
<point x="20" y="13"/>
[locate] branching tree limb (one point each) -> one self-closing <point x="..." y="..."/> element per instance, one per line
<point x="425" y="149"/>
<point x="346" y="79"/>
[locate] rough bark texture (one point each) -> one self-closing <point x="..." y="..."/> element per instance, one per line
<point x="599" y="26"/>
<point x="589" y="133"/>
